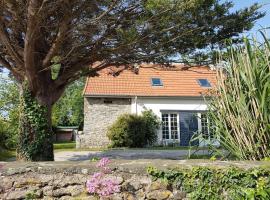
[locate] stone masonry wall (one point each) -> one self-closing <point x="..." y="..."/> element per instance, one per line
<point x="66" y="180"/>
<point x="99" y="114"/>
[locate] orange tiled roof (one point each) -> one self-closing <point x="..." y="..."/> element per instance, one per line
<point x="177" y="81"/>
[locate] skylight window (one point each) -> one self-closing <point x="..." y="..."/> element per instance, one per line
<point x="156" y="82"/>
<point x="204" y="83"/>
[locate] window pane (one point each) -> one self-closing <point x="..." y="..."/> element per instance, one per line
<point x="170" y="126"/>
<point x="165" y="126"/>
<point x="174" y="126"/>
<point x="204" y="83"/>
<point x="156" y="82"/>
<point x="204" y="123"/>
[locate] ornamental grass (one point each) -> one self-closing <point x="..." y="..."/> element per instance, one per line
<point x="240" y="108"/>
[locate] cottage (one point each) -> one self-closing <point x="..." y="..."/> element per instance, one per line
<point x="175" y="94"/>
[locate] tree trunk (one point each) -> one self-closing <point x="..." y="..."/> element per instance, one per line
<point x="35" y="132"/>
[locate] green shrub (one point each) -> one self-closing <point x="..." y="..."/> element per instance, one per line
<point x="8" y="136"/>
<point x="132" y="130"/>
<point x="218" y="183"/>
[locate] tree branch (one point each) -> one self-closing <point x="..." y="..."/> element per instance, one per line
<point x="68" y="78"/>
<point x="112" y="6"/>
<point x="5" y="40"/>
<point x="63" y="31"/>
<point x="4" y="63"/>
<point x="29" y="44"/>
<point x="14" y="71"/>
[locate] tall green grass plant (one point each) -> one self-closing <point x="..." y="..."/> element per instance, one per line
<point x="240" y="108"/>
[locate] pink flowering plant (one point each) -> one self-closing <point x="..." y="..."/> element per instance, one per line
<point x="101" y="185"/>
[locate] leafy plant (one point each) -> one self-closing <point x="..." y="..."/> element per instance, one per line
<point x="31" y="195"/>
<point x="33" y="125"/>
<point x="240" y="106"/>
<point x="9" y="111"/>
<point x="132" y="130"/>
<point x="95" y="159"/>
<point x="68" y="111"/>
<point x="218" y="183"/>
<point x="152" y="123"/>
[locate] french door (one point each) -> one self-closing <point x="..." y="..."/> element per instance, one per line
<point x="170" y="126"/>
<point x="183" y="125"/>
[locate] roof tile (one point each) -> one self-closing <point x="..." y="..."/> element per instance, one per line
<point x="177" y="81"/>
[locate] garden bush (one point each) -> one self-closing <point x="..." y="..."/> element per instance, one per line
<point x="8" y="137"/>
<point x="218" y="183"/>
<point x="131" y="130"/>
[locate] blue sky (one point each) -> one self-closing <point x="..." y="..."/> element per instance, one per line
<point x="263" y="22"/>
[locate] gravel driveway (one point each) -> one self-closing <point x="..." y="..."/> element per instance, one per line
<point x="125" y="154"/>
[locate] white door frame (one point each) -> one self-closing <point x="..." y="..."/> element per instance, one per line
<point x="169" y="122"/>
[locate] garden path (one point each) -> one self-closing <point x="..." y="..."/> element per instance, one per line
<point x="125" y="154"/>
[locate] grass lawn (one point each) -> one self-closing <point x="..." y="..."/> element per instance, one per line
<point x="71" y="146"/>
<point x="64" y="145"/>
<point x="7" y="154"/>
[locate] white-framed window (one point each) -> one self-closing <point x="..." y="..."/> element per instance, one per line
<point x="170" y="126"/>
<point x="205" y="126"/>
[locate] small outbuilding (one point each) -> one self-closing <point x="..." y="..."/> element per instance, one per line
<point x="65" y="133"/>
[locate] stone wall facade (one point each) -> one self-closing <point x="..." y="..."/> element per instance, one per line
<point x="67" y="180"/>
<point x="99" y="114"/>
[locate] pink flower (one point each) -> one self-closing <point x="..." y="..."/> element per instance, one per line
<point x="103" y="162"/>
<point x="100" y="185"/>
<point x="97" y="175"/>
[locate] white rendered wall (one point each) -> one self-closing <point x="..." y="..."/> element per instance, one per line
<point x="173" y="104"/>
<point x="167" y="104"/>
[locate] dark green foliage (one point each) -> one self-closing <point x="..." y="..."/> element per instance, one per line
<point x="6" y="154"/>
<point x="134" y="130"/>
<point x="8" y="138"/>
<point x="196" y="25"/>
<point x="3" y="135"/>
<point x="152" y="123"/>
<point x="35" y="134"/>
<point x="218" y="183"/>
<point x="9" y="112"/>
<point x="125" y="131"/>
<point x="68" y="111"/>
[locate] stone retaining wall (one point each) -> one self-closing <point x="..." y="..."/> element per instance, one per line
<point x="66" y="180"/>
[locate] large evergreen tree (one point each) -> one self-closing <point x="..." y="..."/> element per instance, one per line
<point x="47" y="44"/>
